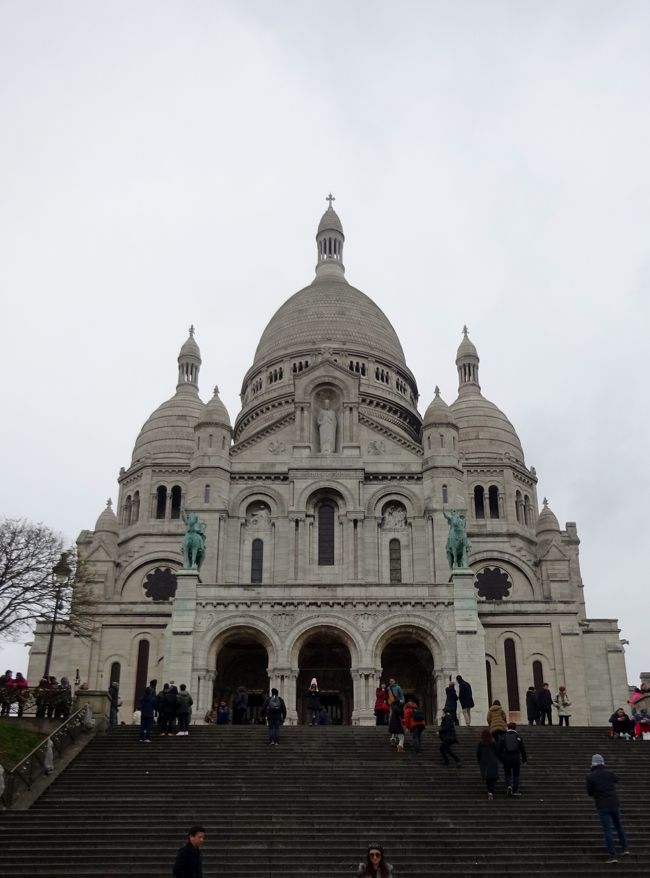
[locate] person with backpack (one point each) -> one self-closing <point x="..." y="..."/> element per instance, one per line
<point x="395" y="693"/>
<point x="184" y="704"/>
<point x="414" y="722"/>
<point x="512" y="754"/>
<point x="275" y="712"/>
<point x="448" y="739"/>
<point x="601" y="786"/>
<point x="466" y="699"/>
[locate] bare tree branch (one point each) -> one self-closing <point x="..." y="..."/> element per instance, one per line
<point x="28" y="554"/>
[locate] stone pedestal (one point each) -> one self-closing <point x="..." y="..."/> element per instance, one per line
<point x="100" y="704"/>
<point x="470" y="642"/>
<point x="179" y="636"/>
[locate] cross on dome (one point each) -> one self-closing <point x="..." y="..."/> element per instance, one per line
<point x="109" y="503"/>
<point x="545" y="502"/>
<point x="437" y="391"/>
<point x="192" y="331"/>
<point x="330" y="198"/>
<point x="465" y="330"/>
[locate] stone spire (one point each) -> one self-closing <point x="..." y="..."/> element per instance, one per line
<point x="329" y="242"/>
<point x="467" y="361"/>
<point x="189" y="364"/>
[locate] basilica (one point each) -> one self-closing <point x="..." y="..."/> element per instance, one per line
<point x="325" y="509"/>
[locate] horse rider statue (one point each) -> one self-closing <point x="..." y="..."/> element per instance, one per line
<point x="193" y="545"/>
<point x="457" y="543"/>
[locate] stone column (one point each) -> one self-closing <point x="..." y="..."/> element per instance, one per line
<point x="470" y="638"/>
<point x="179" y="635"/>
<point x="364" y="700"/>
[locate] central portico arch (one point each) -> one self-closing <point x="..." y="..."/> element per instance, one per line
<point x="325" y="652"/>
<point x="241" y="658"/>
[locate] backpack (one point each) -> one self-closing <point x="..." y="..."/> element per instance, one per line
<point x="275" y="706"/>
<point x="417" y="715"/>
<point x="511" y="744"/>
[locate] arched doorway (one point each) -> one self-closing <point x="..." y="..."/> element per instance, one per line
<point x="409" y="660"/>
<point x="326" y="657"/>
<point x="243" y="661"/>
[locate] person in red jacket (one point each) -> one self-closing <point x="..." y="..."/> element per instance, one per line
<point x="381" y="705"/>
<point x="414" y="722"/>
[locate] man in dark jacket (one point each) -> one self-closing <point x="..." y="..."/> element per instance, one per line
<point x="532" y="707"/>
<point x="114" y="695"/>
<point x="601" y="786"/>
<point x="275" y="711"/>
<point x="188" y="862"/>
<point x="545" y="705"/>
<point x="447" y="735"/>
<point x="147" y="708"/>
<point x="240" y="707"/>
<point x="512" y="753"/>
<point x="465" y="698"/>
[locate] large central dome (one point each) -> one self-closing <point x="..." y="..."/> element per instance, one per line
<point x="329" y="312"/>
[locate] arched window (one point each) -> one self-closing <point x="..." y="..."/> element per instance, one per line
<point x="127" y="511"/>
<point x="257" y="560"/>
<point x="527" y="509"/>
<point x="445" y="494"/>
<point x="177" y="494"/>
<point x="538" y="675"/>
<point x="161" y="501"/>
<point x="479" y="501"/>
<point x="326" y="534"/>
<point x="135" y="512"/>
<point x="493" y="501"/>
<point x="116" y="670"/>
<point x="519" y="507"/>
<point x="512" y="678"/>
<point x="141" y="673"/>
<point x="206" y="494"/>
<point x="395" y="557"/>
<point x="488" y="677"/>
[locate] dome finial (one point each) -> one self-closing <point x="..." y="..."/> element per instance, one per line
<point x="437" y="392"/>
<point x="467" y="364"/>
<point x="192" y="330"/>
<point x="465" y="331"/>
<point x="216" y="389"/>
<point x="329" y="242"/>
<point x="109" y="503"/>
<point x="545" y="502"/>
<point x="330" y="198"/>
<point x="189" y="363"/>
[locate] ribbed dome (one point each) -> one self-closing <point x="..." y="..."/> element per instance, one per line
<point x="438" y="412"/>
<point x="329" y="312"/>
<point x="484" y="431"/>
<point x="330" y="222"/>
<point x="215" y="411"/>
<point x="107" y="521"/>
<point x="169" y="432"/>
<point x="190" y="347"/>
<point x="547" y="523"/>
<point x="466" y="348"/>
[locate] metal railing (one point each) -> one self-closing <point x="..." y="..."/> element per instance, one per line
<point x="40" y="761"/>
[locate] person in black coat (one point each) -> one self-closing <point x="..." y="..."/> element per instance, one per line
<point x="545" y="704"/>
<point x="147" y="708"/>
<point x="466" y="699"/>
<point x="240" y="707"/>
<point x="451" y="702"/>
<point x="621" y="724"/>
<point x="168" y="707"/>
<point x="532" y="707"/>
<point x="512" y="753"/>
<point x="314" y="703"/>
<point x="488" y="760"/>
<point x="189" y="863"/>
<point x="601" y="786"/>
<point x="447" y="735"/>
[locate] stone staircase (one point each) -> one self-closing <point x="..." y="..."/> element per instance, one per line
<point x="313" y="803"/>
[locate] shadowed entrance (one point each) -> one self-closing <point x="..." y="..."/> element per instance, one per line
<point x="327" y="658"/>
<point x="410" y="661"/>
<point x="242" y="661"/>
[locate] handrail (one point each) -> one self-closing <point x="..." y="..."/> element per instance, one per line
<point x="40" y="761"/>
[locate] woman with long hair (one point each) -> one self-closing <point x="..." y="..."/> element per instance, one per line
<point x="376" y="865"/>
<point x="488" y="760"/>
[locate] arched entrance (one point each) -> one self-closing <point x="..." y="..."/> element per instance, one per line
<point x="242" y="661"/>
<point x="410" y="661"/>
<point x="326" y="657"/>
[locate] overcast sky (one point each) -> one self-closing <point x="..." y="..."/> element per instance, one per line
<point x="165" y="163"/>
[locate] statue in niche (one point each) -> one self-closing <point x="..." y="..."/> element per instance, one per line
<point x="259" y="517"/>
<point x="395" y="517"/>
<point x="193" y="545"/>
<point x="457" y="543"/>
<point x="376" y="446"/>
<point x="327" y="428"/>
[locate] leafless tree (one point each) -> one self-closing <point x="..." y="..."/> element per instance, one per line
<point x="28" y="586"/>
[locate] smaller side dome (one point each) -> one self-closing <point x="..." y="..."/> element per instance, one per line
<point x="547" y="524"/>
<point x="438" y="413"/>
<point x="107" y="521"/>
<point x="215" y="412"/>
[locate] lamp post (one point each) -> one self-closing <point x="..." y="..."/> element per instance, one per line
<point x="61" y="573"/>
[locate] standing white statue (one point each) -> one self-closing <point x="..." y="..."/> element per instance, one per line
<point x="327" y="429"/>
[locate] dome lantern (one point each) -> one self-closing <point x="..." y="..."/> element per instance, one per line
<point x="467" y="361"/>
<point x="329" y="241"/>
<point x="189" y="363"/>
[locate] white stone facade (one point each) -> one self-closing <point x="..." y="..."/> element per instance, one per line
<point x="325" y="550"/>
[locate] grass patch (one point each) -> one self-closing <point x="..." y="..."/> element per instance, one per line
<point x="16" y="743"/>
